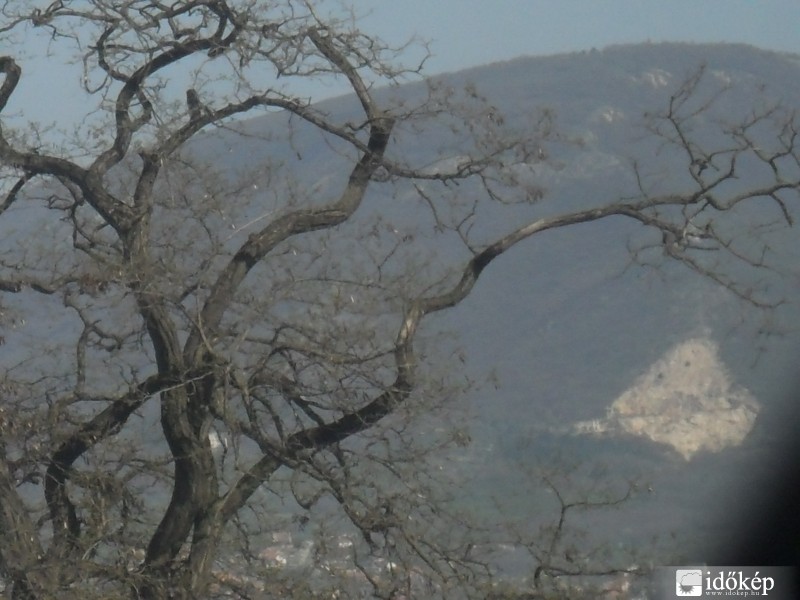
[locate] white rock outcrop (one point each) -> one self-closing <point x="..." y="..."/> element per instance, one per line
<point x="685" y="400"/>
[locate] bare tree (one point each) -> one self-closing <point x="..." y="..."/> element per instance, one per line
<point x="566" y="563"/>
<point x="271" y="326"/>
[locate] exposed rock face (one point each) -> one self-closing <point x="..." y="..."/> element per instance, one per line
<point x="686" y="400"/>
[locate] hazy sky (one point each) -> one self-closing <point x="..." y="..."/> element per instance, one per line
<point x="465" y="33"/>
<point x="472" y="32"/>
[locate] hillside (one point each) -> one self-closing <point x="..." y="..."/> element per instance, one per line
<point x="592" y="323"/>
<point x="563" y="325"/>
